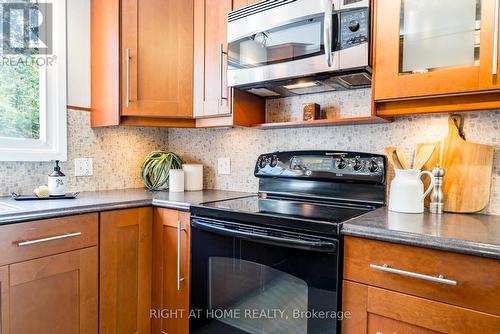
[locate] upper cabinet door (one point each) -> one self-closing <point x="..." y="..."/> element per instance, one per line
<point x="212" y="96"/>
<point x="489" y="75"/>
<point x="428" y="47"/>
<point x="157" y="58"/>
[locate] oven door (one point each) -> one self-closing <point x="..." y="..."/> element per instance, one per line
<point x="247" y="279"/>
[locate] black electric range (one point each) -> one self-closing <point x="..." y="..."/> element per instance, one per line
<point x="267" y="263"/>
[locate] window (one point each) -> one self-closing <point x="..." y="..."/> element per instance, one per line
<point x="33" y="80"/>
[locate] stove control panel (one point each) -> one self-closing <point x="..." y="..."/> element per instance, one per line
<point x="324" y="165"/>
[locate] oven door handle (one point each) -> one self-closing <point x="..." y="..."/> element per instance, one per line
<point x="319" y="246"/>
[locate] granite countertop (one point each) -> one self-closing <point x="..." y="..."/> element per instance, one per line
<point x="472" y="234"/>
<point x="12" y="211"/>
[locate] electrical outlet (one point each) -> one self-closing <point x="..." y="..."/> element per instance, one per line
<point x="84" y="167"/>
<point x="224" y="166"/>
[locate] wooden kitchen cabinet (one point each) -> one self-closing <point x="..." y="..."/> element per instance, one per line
<point x="381" y="301"/>
<point x="440" y="62"/>
<point x="142" y="63"/>
<point x="214" y="103"/>
<point x="125" y="271"/>
<point x="4" y="300"/>
<point x="54" y="294"/>
<point x="157" y="58"/>
<point x="49" y="283"/>
<point x="171" y="271"/>
<point x="379" y="311"/>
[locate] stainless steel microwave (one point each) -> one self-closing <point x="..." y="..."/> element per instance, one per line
<point x="293" y="47"/>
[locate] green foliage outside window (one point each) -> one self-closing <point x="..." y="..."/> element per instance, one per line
<point x="19" y="99"/>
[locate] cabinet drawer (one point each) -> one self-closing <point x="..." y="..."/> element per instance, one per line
<point x="394" y="266"/>
<point x="21" y="242"/>
<point x="375" y="310"/>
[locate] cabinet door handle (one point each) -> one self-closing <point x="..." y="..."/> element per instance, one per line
<point x="179" y="278"/>
<point x="221" y="64"/>
<point x="439" y="279"/>
<point x="328" y="27"/>
<point x="494" y="60"/>
<point x="39" y="241"/>
<point x="127" y="79"/>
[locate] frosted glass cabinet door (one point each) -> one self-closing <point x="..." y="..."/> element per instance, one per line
<point x="431" y="40"/>
<point x="429" y="47"/>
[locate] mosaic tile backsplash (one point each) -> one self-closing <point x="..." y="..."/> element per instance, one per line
<point x="244" y="145"/>
<point x="116" y="152"/>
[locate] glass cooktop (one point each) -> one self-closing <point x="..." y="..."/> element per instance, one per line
<point x="331" y="212"/>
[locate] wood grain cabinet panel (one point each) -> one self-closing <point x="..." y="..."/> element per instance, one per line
<point x="125" y="271"/>
<point x="391" y="84"/>
<point x="4" y="300"/>
<point x="157" y="58"/>
<point x="171" y="274"/>
<point x="463" y="85"/>
<point x="212" y="96"/>
<point x="379" y="311"/>
<point x="25" y="241"/>
<point x="53" y="294"/>
<point x="216" y="105"/>
<point x="474" y="289"/>
<point x="157" y="78"/>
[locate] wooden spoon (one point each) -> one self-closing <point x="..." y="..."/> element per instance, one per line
<point x="393" y="158"/>
<point x="402" y="159"/>
<point x="422" y="155"/>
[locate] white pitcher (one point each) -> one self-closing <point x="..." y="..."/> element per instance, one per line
<point x="407" y="191"/>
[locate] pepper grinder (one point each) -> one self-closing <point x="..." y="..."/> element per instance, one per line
<point x="437" y="204"/>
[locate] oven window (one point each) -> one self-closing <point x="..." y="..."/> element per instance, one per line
<point x="289" y="42"/>
<point x="242" y="286"/>
<point x="236" y="284"/>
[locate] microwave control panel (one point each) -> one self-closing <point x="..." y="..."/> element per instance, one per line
<point x="354" y="27"/>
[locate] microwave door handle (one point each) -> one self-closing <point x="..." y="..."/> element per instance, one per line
<point x="328" y="28"/>
<point x="322" y="246"/>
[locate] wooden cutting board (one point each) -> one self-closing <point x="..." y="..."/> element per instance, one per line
<point x="468" y="167"/>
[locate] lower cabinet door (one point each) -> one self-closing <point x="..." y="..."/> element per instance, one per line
<point x="379" y="311"/>
<point x="125" y="271"/>
<point x="53" y="294"/>
<point x="4" y="300"/>
<point x="171" y="261"/>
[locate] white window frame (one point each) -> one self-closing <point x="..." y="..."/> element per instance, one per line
<point x="52" y="144"/>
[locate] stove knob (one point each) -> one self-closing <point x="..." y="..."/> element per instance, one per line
<point x="354" y="25"/>
<point x="373" y="166"/>
<point x="357" y="165"/>
<point x="263" y="162"/>
<point x="341" y="163"/>
<point x="274" y="161"/>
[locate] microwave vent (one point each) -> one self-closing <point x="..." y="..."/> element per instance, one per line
<point x="256" y="8"/>
<point x="263" y="92"/>
<point x="355" y="80"/>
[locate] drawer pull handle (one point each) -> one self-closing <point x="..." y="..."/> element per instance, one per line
<point x="57" y="237"/>
<point x="439" y="279"/>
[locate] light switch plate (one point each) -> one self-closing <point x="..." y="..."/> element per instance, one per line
<point x="224" y="166"/>
<point x="84" y="167"/>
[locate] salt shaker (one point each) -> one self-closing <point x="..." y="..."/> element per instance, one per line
<point x="437" y="204"/>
